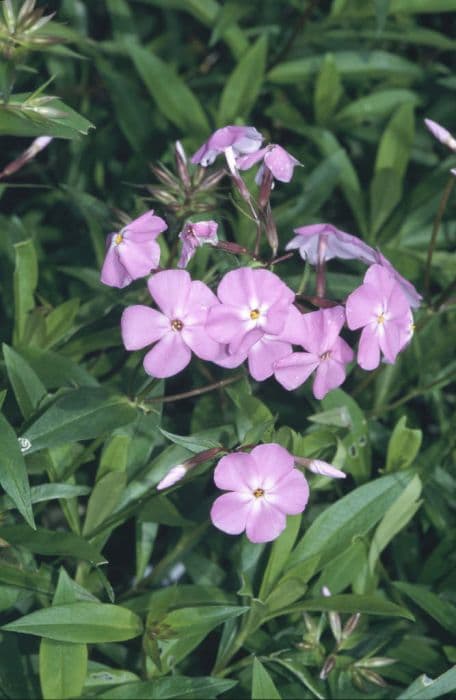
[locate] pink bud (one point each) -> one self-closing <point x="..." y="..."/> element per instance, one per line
<point x="317" y="466"/>
<point x="172" y="477"/>
<point x="441" y="134"/>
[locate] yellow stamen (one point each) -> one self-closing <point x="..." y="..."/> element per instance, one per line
<point x="118" y="239"/>
<point x="258" y="493"/>
<point x="380" y="319"/>
<point x="177" y="325"/>
<point x="326" y="355"/>
<point x="255" y="314"/>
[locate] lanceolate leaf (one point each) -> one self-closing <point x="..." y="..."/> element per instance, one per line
<point x="13" y="473"/>
<point x="80" y="622"/>
<point x="243" y="85"/>
<point x="51" y="542"/>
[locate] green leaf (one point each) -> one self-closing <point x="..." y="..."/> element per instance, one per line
<point x="25" y="282"/>
<point x="27" y="386"/>
<point x="173" y="98"/>
<point x="280" y="551"/>
<point x="36" y="581"/>
<point x="89" y="623"/>
<point x="55" y="370"/>
<point x="396" y="142"/>
<point x="441" y="610"/>
<point x="175" y="687"/>
<point x="22" y="118"/>
<point x="243" y="85"/>
<point x="191" y="442"/>
<point x="396" y="517"/>
<point x="103" y="500"/>
<point x="50" y="542"/>
<point x="13" y="472"/>
<point x="368" y="604"/>
<point x="403" y="446"/>
<point x="352" y="65"/>
<point x="48" y="492"/>
<point x="190" y="621"/>
<point x="60" y="321"/>
<point x="62" y="665"/>
<point x="328" y="90"/>
<point x="385" y="193"/>
<point x="263" y="687"/>
<point x="380" y="104"/>
<point x="424" y="688"/>
<point x="80" y="414"/>
<point x="418" y="6"/>
<point x="351" y="516"/>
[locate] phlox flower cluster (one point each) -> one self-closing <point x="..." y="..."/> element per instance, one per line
<point x="252" y="316"/>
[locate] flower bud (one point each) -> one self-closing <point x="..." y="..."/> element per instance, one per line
<point x="317" y="466"/>
<point x="172" y="477"/>
<point x="351" y="625"/>
<point x="327" y="667"/>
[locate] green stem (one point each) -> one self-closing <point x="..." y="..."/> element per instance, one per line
<point x="435" y="230"/>
<point x="194" y="392"/>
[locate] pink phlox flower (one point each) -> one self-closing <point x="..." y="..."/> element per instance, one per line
<point x="327" y="354"/>
<point x="133" y="252"/>
<point x="381" y="309"/>
<point x="253" y="302"/>
<point x="194" y="235"/>
<point x="320" y="242"/>
<point x="177" y="329"/>
<point x="276" y="159"/>
<point x="413" y="298"/>
<point x="263" y="488"/>
<point x="242" y="139"/>
<point x="441" y="134"/>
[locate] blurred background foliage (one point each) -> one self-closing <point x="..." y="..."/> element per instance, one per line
<point x="344" y="85"/>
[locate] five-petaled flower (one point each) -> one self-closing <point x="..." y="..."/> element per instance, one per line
<point x="194" y="235"/>
<point x="177" y="329"/>
<point x="264" y="487"/>
<point x="133" y="252"/>
<point x="241" y="139"/>
<point x="253" y="302"/>
<point x="382" y="310"/>
<point x="327" y="354"/>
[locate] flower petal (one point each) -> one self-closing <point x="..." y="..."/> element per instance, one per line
<point x="197" y="338"/>
<point x="170" y="289"/>
<point x="291" y="493"/>
<point x="235" y="471"/>
<point x="139" y="259"/>
<point x="262" y="356"/>
<point x="113" y="272"/>
<point x="168" y="357"/>
<point x="145" y="227"/>
<point x="225" y="323"/>
<point x="142" y="326"/>
<point x="390" y="341"/>
<point x="272" y="463"/>
<point x="361" y="306"/>
<point x="329" y="375"/>
<point x="264" y="522"/>
<point x="369" y="349"/>
<point x="292" y="371"/>
<point x="230" y="511"/>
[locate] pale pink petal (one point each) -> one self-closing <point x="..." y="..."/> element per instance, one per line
<point x="272" y="461"/>
<point x="145" y="227"/>
<point x="321" y="329"/>
<point x="390" y="341"/>
<point x="139" y="259"/>
<point x="168" y="357"/>
<point x="361" y="306"/>
<point x="229" y="512"/>
<point x="227" y="359"/>
<point x="264" y="522"/>
<point x="329" y="375"/>
<point x="142" y="326"/>
<point x="197" y="338"/>
<point x="276" y="316"/>
<point x="369" y="349"/>
<point x="242" y="344"/>
<point x="290" y="494"/>
<point x="235" y="472"/>
<point x="262" y="356"/>
<point x="199" y="300"/>
<point x="342" y="352"/>
<point x="170" y="289"/>
<point x="113" y="272"/>
<point x="246" y="162"/>
<point x="293" y="329"/>
<point x="187" y="253"/>
<point x="237" y="288"/>
<point x="280" y="163"/>
<point x="224" y="323"/>
<point x="292" y="371"/>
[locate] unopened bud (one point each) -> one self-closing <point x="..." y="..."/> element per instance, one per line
<point x="271" y="230"/>
<point x="267" y="182"/>
<point x="375" y="662"/>
<point x="37" y="145"/>
<point x="351" y="625"/>
<point x="212" y="180"/>
<point x="165" y="176"/>
<point x="172" y="477"/>
<point x="374" y="678"/>
<point x="237" y="179"/>
<point x="318" y="466"/>
<point x="181" y="164"/>
<point x="327" y="667"/>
